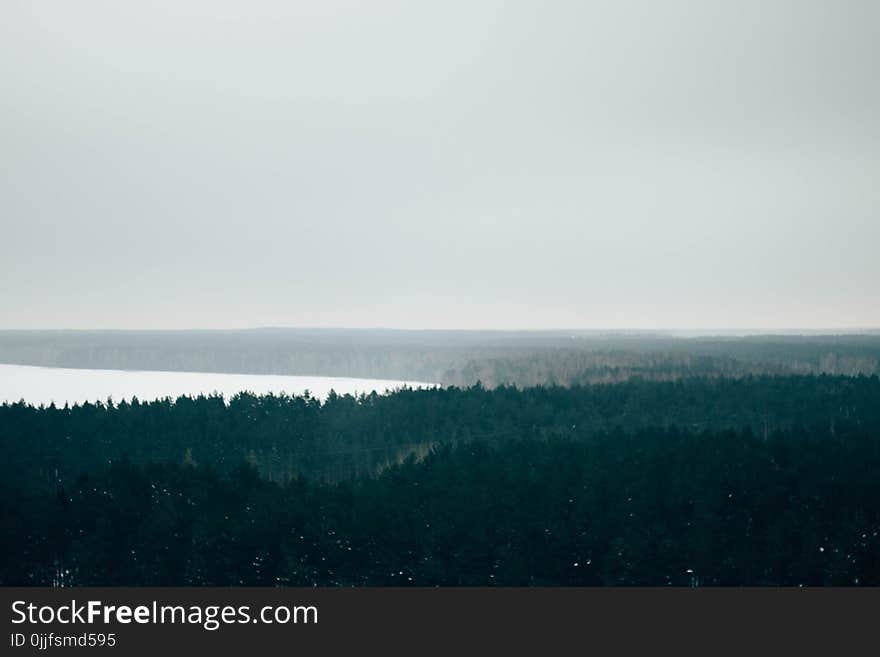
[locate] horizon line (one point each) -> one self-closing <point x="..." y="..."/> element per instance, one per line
<point x="829" y="330"/>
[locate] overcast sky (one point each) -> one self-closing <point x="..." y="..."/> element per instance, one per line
<point x="477" y="164"/>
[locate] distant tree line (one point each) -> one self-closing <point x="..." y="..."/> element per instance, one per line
<point x="459" y="358"/>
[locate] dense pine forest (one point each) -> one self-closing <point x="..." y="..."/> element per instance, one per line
<point x="751" y="480"/>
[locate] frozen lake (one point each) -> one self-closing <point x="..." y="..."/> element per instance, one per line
<point x="42" y="385"/>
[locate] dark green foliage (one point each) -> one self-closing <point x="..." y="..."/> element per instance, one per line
<point x="768" y="481"/>
<point x="650" y="508"/>
<point x="286" y="437"/>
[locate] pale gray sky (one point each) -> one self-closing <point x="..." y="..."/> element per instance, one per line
<point x="444" y="164"/>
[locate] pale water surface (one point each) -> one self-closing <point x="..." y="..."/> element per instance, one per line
<point x="43" y="385"/>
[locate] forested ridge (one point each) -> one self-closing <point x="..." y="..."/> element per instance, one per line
<point x="759" y="480"/>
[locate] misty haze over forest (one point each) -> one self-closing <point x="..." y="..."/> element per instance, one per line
<point x="449" y="357"/>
